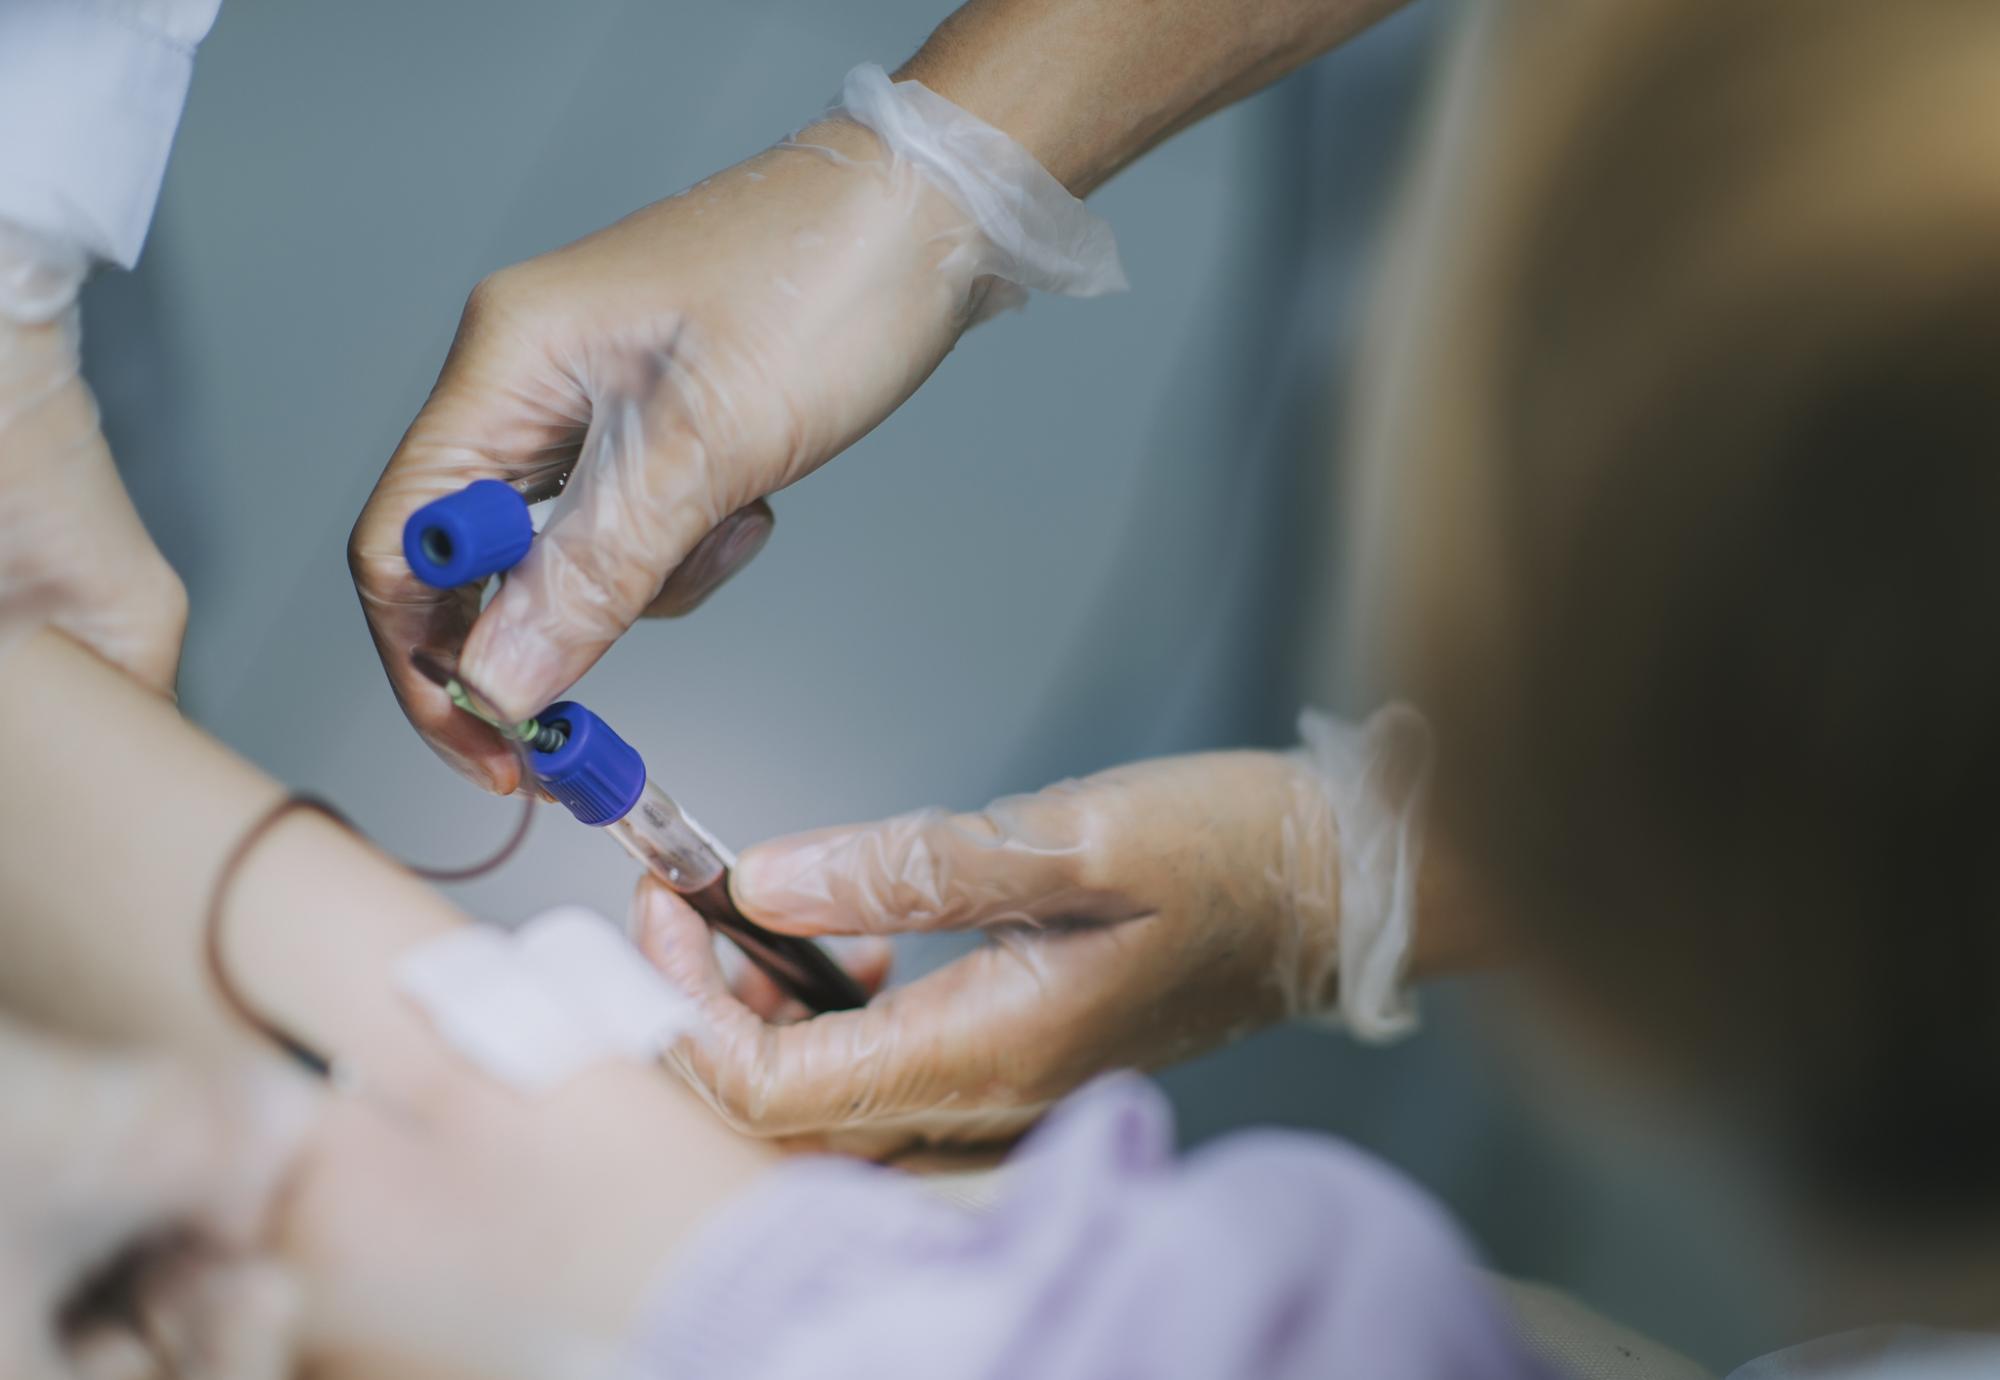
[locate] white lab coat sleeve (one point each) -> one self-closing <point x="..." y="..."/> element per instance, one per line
<point x="90" y="94"/>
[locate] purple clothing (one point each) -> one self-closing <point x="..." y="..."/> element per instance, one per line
<point x="1271" y="1256"/>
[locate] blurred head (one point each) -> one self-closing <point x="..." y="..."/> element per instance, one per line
<point x="1699" y="409"/>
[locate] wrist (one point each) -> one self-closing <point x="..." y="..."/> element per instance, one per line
<point x="1026" y="229"/>
<point x="1045" y="87"/>
<point x="1303" y="860"/>
<point x="1088" y="88"/>
<point x="323" y="973"/>
<point x="952" y="69"/>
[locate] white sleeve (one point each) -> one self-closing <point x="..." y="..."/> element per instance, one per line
<point x="90" y="93"/>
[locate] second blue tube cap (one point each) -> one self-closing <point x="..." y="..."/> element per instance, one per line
<point x="595" y="774"/>
<point x="479" y="531"/>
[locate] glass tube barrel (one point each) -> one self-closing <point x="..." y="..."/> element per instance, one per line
<point x="680" y="853"/>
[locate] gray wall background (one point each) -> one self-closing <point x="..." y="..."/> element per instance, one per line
<point x="1082" y="542"/>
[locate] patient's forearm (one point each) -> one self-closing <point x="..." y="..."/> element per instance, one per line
<point x="116" y="818"/>
<point x="419" y="1233"/>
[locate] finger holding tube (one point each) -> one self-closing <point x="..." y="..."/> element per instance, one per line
<point x="869" y="1080"/>
<point x="1134" y="918"/>
<point x="642" y="503"/>
<point x="453" y="544"/>
<point x="691" y="360"/>
<point x="461" y="440"/>
<point x="1026" y="859"/>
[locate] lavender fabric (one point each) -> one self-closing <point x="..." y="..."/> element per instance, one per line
<point x="1271" y="1256"/>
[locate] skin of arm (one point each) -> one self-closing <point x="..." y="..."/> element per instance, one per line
<point x="440" y="1225"/>
<point x="1087" y="86"/>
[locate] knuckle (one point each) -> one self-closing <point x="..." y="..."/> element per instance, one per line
<point x="1063" y="828"/>
<point x="172" y="596"/>
<point x="732" y="1104"/>
<point x="357" y="548"/>
<point x="161" y="602"/>
<point x="489" y="296"/>
<point x="914" y="866"/>
<point x="1097" y="866"/>
<point x="496" y="300"/>
<point x="743" y="1102"/>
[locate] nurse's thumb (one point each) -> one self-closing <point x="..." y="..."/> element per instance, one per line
<point x="558" y="611"/>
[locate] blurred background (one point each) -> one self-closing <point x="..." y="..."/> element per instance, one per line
<point x="1093" y="536"/>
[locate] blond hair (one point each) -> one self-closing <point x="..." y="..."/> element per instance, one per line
<point x="1702" y="551"/>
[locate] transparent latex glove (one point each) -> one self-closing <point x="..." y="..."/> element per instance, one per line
<point x="690" y="360"/>
<point x="1137" y="917"/>
<point x="73" y="552"/>
<point x="133" y="1195"/>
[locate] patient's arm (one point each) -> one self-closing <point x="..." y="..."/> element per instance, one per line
<point x="486" y="1233"/>
<point x="115" y="818"/>
<point x="482" y="1234"/>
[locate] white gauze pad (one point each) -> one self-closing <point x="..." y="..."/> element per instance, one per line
<point x="535" y="1006"/>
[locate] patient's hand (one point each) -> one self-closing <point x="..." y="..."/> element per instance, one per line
<point x="73" y="553"/>
<point x="133" y="1189"/>
<point x="491" y="1234"/>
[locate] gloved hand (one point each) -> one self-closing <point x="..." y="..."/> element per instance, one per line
<point x="132" y="1194"/>
<point x="1139" y="917"/>
<point x="689" y="360"/>
<point x="73" y="552"/>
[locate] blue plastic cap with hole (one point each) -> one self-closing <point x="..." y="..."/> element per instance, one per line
<point x="595" y="774"/>
<point x="479" y="531"/>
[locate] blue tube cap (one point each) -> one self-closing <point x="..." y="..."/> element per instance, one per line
<point x="479" y="531"/>
<point x="597" y="775"/>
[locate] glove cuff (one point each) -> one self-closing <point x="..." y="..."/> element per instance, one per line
<point x="1038" y="236"/>
<point x="1377" y="779"/>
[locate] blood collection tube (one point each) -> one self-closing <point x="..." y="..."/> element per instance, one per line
<point x="601" y="779"/>
<point x="484" y="529"/>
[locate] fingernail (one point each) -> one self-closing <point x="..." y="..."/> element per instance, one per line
<point x="787" y="878"/>
<point x="748" y="531"/>
<point x="732" y="545"/>
<point x="759" y="878"/>
<point x="649" y="906"/>
<point x="858" y="950"/>
<point x="746" y="883"/>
